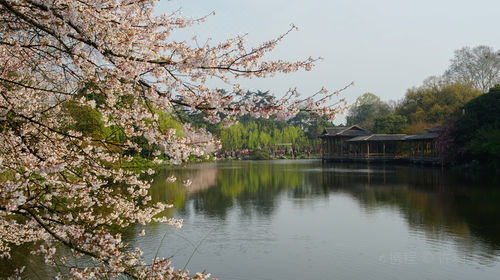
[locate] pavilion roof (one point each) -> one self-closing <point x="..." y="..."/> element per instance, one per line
<point x="351" y="131"/>
<point x="379" y="137"/>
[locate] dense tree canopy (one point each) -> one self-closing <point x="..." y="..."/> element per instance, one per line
<point x="431" y="105"/>
<point x="390" y="123"/>
<point x="366" y="108"/>
<point x="477" y="132"/>
<point x="422" y="107"/>
<point x="312" y="124"/>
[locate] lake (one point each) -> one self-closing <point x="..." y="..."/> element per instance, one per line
<point x="304" y="219"/>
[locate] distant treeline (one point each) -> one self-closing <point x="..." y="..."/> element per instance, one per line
<point x="464" y="101"/>
<point x="422" y="108"/>
<point x="472" y="71"/>
<point x="271" y="135"/>
<point x="454" y="100"/>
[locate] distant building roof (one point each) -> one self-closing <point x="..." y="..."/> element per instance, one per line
<point x="360" y="134"/>
<point x="379" y="137"/>
<point x="351" y="131"/>
<point x="333" y="130"/>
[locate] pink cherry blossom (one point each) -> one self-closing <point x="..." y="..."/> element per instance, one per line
<point x="115" y="56"/>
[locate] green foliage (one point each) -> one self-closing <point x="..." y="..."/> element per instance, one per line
<point x="312" y="124"/>
<point x="422" y="108"/>
<point x="86" y="120"/>
<point x="260" y="154"/>
<point x="115" y="134"/>
<point x="139" y="162"/>
<point x="251" y="133"/>
<point x="196" y="119"/>
<point x="90" y="91"/>
<point x="478" y="130"/>
<point x="434" y="104"/>
<point x="391" y="123"/>
<point x="418" y="127"/>
<point x="232" y="138"/>
<point x="486" y="142"/>
<point x="167" y="121"/>
<point x="89" y="122"/>
<point x="366" y="108"/>
<point x="255" y="134"/>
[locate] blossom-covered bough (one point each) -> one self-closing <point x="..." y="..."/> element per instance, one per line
<point x="60" y="186"/>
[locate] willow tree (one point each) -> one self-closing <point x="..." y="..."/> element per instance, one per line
<point x="117" y="57"/>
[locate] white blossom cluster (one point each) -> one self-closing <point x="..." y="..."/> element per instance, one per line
<point x="114" y="56"/>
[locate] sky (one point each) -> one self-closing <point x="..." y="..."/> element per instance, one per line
<point x="383" y="46"/>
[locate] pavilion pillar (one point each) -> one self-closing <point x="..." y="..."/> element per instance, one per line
<point x="341" y="147"/>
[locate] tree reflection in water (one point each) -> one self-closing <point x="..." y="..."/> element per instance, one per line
<point x="439" y="206"/>
<point x="437" y="203"/>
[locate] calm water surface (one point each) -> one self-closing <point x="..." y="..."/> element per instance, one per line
<point x="308" y="220"/>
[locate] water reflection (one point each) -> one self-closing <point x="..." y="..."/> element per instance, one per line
<point x="438" y="205"/>
<point x="430" y="198"/>
<point x="304" y="219"/>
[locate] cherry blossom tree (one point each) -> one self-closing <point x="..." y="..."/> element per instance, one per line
<point x="62" y="187"/>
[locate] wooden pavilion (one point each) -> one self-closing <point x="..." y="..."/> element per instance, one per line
<point x="355" y="143"/>
<point x="378" y="147"/>
<point x="424" y="146"/>
<point x="334" y="146"/>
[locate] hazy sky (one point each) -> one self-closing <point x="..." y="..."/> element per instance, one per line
<point x="384" y="46"/>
